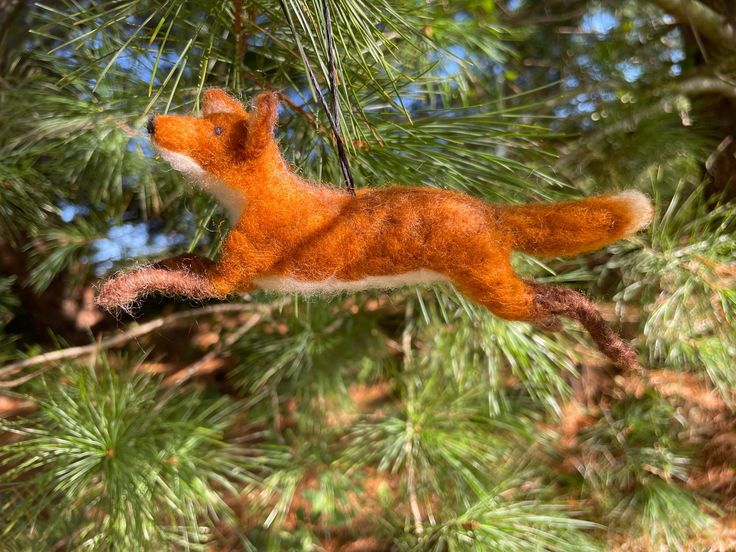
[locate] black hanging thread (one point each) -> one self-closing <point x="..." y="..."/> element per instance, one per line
<point x="333" y="115"/>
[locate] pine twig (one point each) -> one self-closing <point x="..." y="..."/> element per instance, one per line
<point x="411" y="483"/>
<point x="118" y="340"/>
<point x="238" y="32"/>
<point x="693" y="86"/>
<point x="193" y="369"/>
<point x="411" y="478"/>
<point x="9" y="384"/>
<point x="702" y="18"/>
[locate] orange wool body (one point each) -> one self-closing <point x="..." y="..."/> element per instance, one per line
<point x="309" y="236"/>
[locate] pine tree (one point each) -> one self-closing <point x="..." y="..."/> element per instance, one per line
<point x="412" y="420"/>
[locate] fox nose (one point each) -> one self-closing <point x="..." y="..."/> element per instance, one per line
<point x="151" y="125"/>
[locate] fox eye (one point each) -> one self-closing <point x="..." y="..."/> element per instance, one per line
<point x="218" y="130"/>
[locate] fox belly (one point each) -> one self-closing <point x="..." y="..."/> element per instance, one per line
<point x="333" y="285"/>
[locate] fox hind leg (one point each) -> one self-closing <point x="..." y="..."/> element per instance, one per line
<point x="506" y="295"/>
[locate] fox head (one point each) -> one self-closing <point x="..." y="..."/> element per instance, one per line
<point x="221" y="146"/>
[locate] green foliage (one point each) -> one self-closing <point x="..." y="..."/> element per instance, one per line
<point x="502" y="521"/>
<point x="307" y="351"/>
<point x="415" y="421"/>
<point x="632" y="457"/>
<point x="108" y="462"/>
<point x="481" y="350"/>
<point x="686" y="275"/>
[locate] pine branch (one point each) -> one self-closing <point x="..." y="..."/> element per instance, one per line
<point x="224" y="345"/>
<point x="671" y="98"/>
<point x="693" y="86"/>
<point x="105" y="455"/>
<point x="129" y="335"/>
<point x="703" y="19"/>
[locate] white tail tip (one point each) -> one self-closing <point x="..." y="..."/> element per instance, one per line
<point x="640" y="207"/>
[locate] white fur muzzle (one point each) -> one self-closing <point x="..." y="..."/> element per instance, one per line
<point x="228" y="197"/>
<point x="333" y="285"/>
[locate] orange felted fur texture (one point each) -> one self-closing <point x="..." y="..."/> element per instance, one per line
<point x="292" y="235"/>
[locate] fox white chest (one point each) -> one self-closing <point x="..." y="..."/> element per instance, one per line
<point x="228" y="197"/>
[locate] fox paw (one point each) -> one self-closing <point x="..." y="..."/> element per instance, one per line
<point x="114" y="295"/>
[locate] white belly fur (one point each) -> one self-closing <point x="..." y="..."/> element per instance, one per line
<point x="333" y="285"/>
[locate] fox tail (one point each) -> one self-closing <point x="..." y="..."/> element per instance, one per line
<point x="572" y="227"/>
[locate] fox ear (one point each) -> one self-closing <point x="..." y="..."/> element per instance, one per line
<point x="262" y="120"/>
<point x="217" y="100"/>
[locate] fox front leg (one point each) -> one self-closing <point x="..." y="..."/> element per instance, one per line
<point x="185" y="275"/>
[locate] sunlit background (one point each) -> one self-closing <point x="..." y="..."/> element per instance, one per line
<point x="407" y="421"/>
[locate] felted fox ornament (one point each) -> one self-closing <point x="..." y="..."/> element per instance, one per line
<point x="292" y="235"/>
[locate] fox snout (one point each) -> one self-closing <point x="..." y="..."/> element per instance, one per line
<point x="223" y="136"/>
